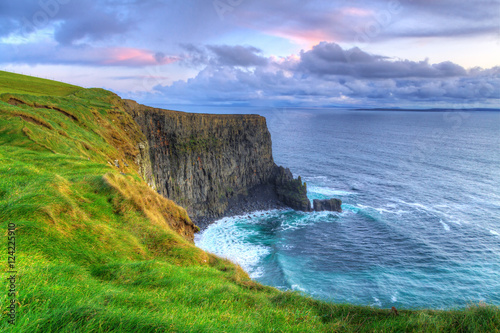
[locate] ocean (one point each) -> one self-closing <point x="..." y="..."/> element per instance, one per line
<point x="420" y="226"/>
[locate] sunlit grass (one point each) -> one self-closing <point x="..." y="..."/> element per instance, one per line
<point x="24" y="84"/>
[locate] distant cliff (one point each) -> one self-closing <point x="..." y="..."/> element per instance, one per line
<point x="210" y="163"/>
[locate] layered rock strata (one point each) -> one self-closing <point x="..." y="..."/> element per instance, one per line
<point x="211" y="164"/>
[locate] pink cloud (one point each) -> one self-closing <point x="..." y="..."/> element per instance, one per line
<point x="354" y="11"/>
<point x="308" y="38"/>
<point x="44" y="53"/>
<point x="126" y="56"/>
<point x="310" y="27"/>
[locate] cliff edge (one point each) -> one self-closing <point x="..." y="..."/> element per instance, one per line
<point x="214" y="164"/>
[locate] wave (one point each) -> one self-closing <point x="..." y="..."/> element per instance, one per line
<point x="296" y="287"/>
<point x="439" y="210"/>
<point x="254" y="241"/>
<point x="363" y="210"/>
<point x="323" y="178"/>
<point x="376" y="302"/>
<point x="296" y="220"/>
<point x="328" y="191"/>
<point x="445" y="226"/>
<point x="226" y="238"/>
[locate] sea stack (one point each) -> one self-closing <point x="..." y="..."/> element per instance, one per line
<point x="333" y="205"/>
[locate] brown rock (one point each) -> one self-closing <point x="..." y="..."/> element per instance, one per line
<point x="333" y="205"/>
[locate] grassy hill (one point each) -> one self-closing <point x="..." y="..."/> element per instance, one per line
<point x="23" y="84"/>
<point x="98" y="251"/>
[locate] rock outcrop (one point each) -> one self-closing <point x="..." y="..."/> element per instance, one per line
<point x="206" y="162"/>
<point x="291" y="191"/>
<point x="333" y="205"/>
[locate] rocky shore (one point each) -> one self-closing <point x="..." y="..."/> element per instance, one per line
<point x="261" y="197"/>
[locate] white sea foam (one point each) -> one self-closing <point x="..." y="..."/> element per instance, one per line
<point x="297" y="287"/>
<point x="224" y="238"/>
<point x="383" y="210"/>
<point x="256" y="272"/>
<point x="440" y="210"/>
<point x="371" y="211"/>
<point x="376" y="302"/>
<point x="415" y="204"/>
<point x="445" y="226"/>
<point x="493" y="232"/>
<point x="394" y="298"/>
<point x="394" y="208"/>
<point x="318" y="177"/>
<point x="387" y="209"/>
<point x="301" y="220"/>
<point x="328" y="191"/>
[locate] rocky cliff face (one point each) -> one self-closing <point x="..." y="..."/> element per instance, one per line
<point x="206" y="163"/>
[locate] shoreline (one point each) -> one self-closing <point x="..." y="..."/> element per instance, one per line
<point x="259" y="198"/>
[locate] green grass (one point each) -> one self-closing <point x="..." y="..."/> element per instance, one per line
<point x="98" y="251"/>
<point x="23" y="84"/>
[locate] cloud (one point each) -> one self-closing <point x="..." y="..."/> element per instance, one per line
<point x="196" y="22"/>
<point x="133" y="35"/>
<point x="330" y="75"/>
<point x="364" y="21"/>
<point x="144" y="23"/>
<point x="194" y="55"/>
<point x="71" y="21"/>
<point x="43" y="53"/>
<point x="330" y="59"/>
<point x="222" y="55"/>
<point x="244" y="56"/>
<point x="94" y="28"/>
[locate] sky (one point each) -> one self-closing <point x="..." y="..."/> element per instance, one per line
<point x="263" y="53"/>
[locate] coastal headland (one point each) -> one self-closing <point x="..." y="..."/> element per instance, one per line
<point x="97" y="239"/>
<point x="213" y="165"/>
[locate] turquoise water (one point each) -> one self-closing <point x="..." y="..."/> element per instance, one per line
<point x="420" y="225"/>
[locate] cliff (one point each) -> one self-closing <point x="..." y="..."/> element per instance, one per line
<point x="210" y="164"/>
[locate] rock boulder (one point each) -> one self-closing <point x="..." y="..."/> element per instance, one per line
<point x="333" y="205"/>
